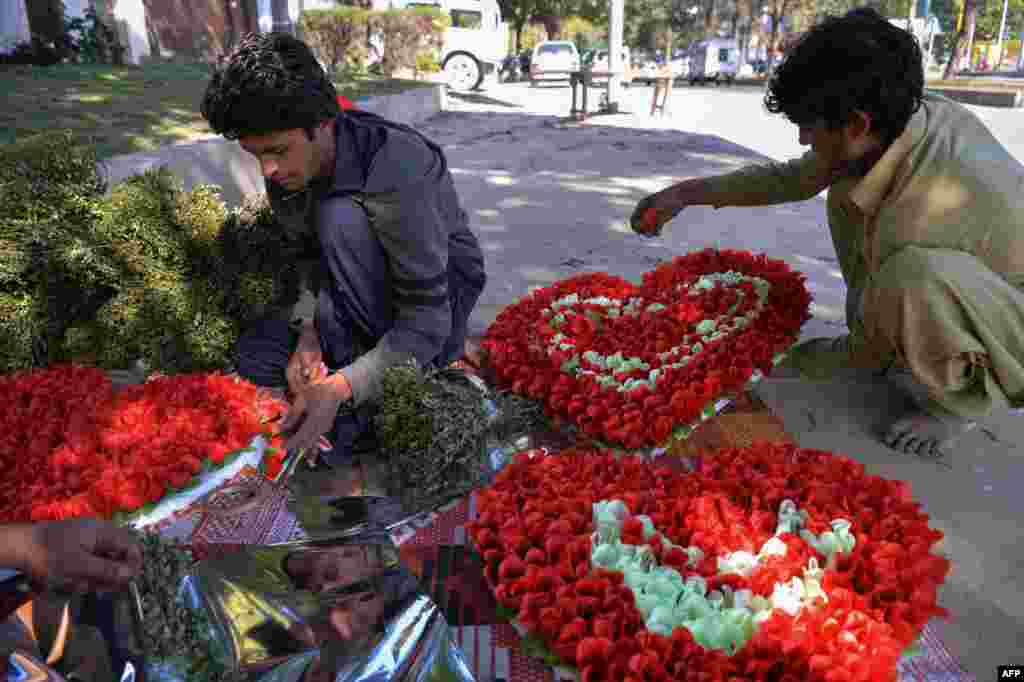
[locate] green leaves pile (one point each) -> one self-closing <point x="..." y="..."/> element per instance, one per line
<point x="436" y="434"/>
<point x="146" y="272"/>
<point x="432" y="427"/>
<point x="174" y="636"/>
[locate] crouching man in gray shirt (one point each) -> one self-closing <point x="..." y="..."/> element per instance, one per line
<point x="396" y="269"/>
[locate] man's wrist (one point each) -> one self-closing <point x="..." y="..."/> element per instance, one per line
<point x="304" y="325"/>
<point x="339" y="382"/>
<point x="16" y="539"/>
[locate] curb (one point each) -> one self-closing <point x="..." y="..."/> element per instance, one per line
<point x="1006" y="99"/>
<point x="411" y="107"/>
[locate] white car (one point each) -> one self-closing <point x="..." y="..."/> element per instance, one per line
<point x="648" y="71"/>
<point x="554" y="60"/>
<point x="600" y="69"/>
<point x="680" y="67"/>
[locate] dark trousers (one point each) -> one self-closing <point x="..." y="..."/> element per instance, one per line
<point x="264" y="350"/>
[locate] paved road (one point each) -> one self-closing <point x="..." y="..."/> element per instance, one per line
<point x="736" y="113"/>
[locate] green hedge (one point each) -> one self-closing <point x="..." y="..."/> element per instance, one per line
<point x="147" y="271"/>
<point x="340" y="36"/>
<point x="409" y="34"/>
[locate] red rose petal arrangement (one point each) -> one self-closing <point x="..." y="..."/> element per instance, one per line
<point x="632" y="365"/>
<point x="536" y="533"/>
<point x="71" y="446"/>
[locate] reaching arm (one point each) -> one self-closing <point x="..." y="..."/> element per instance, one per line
<point x="757" y="185"/>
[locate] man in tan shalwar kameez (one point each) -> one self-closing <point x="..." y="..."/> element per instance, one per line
<point x="926" y="210"/>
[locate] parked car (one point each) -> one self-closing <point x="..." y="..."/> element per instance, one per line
<point x="510" y="70"/>
<point x="600" y="69"/>
<point x="648" y="71"/>
<point x="714" y="61"/>
<point x="473" y="46"/>
<point x="760" y="66"/>
<point x="554" y="60"/>
<point x="680" y="67"/>
<point x="653" y="67"/>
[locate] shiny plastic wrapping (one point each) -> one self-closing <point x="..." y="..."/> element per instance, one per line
<point x="342" y="610"/>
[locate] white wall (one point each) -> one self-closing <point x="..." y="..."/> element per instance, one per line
<point x="131" y="19"/>
<point x="13" y="24"/>
<point x="265" y="12"/>
<point x="266" y="15"/>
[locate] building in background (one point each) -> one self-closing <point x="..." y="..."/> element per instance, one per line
<point x="925" y="30"/>
<point x="14" y="27"/>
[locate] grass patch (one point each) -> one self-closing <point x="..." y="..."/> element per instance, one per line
<point x="122" y="109"/>
<point x="127" y="109"/>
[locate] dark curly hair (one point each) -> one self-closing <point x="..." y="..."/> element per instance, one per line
<point x="856" y="62"/>
<point x="269" y="83"/>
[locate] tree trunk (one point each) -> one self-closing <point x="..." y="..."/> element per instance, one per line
<point x="249" y="12"/>
<point x="519" y="27"/>
<point x="773" y="38"/>
<point x="553" y="25"/>
<point x="709" y="19"/>
<point x="779" y="9"/>
<point x="755" y="8"/>
<point x="970" y="15"/>
<point x="230" y="33"/>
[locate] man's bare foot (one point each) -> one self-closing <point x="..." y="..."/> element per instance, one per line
<point x="919" y="433"/>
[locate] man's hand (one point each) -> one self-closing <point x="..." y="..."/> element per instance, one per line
<point x="86" y="554"/>
<point x="307" y="362"/>
<point x="655" y="210"/>
<point x="313" y="412"/>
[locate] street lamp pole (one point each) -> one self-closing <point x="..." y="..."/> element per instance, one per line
<point x="1002" y="32"/>
<point x="1020" y="58"/>
<point x="616" y="19"/>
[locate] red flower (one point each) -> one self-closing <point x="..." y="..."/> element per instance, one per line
<point x="72" y="433"/>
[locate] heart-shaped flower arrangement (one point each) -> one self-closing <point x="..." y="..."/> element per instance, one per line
<point x="770" y="563"/>
<point x="634" y="366"/>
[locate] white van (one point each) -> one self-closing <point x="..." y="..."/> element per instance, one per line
<point x="475" y="43"/>
<point x="714" y="61"/>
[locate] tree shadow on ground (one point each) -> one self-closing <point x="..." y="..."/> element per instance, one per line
<point x="550" y="198"/>
<point x="121" y="109"/>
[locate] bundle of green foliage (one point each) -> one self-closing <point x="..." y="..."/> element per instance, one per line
<point x="148" y="272"/>
<point x="50" y="189"/>
<point x="435" y="433"/>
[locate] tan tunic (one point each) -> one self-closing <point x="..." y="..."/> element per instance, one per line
<point x="931" y="245"/>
